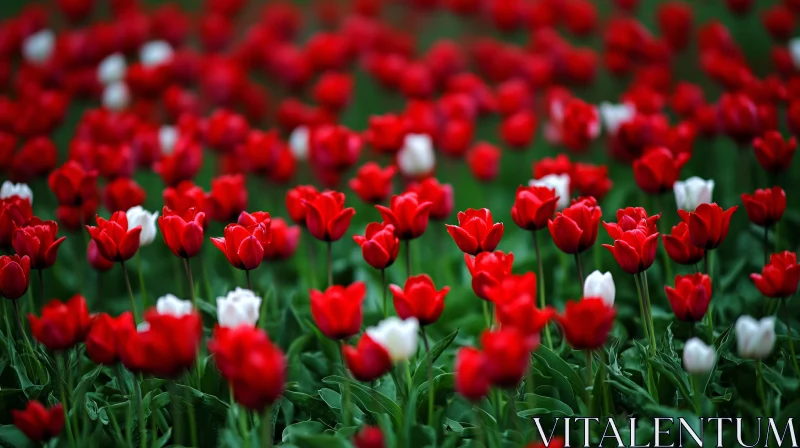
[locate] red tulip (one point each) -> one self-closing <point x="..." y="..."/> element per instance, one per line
<point x="373" y="184"/>
<point x="122" y="194"/>
<point x="590" y="180"/>
<point x="476" y="231"/>
<point x="337" y="311"/>
<point x="679" y="246"/>
<point x="184" y="196"/>
<point x="586" y="323"/>
<point x="227" y="198"/>
<point x="515" y="298"/>
<point x="379" y="245"/>
<point x="243" y="246"/>
<point x="708" y="224"/>
<point x="517" y="130"/>
<point x="484" y="161"/>
<point x="687" y="97"/>
<point x="533" y="207"/>
<point x="508" y="355"/>
<point x="333" y="90"/>
<point x="334" y="148"/>
<point x="632" y="218"/>
<point x="439" y="195"/>
<point x="254" y="367"/>
<point x="14" y="276"/>
<point x="774" y="153"/>
<point x="779" y="21"/>
<point x="295" y="202"/>
<point x="14" y="212"/>
<point x="38" y="423"/>
<point x="105" y="335"/>
<point x="690" y="296"/>
<point x="182" y="232"/>
<point x="419" y="299"/>
<point x="283" y="241"/>
<point x="225" y="130"/>
<point x="675" y="23"/>
<point x="369" y="437"/>
<point x="580" y="125"/>
<point x="97" y="261"/>
<point x="549" y="165"/>
<point x="765" y="207"/>
<point x="739" y="118"/>
<point x="634" y="250"/>
<point x="62" y="325"/>
<point x="115" y="241"/>
<point x="455" y="137"/>
<point x="181" y="164"/>
<point x="470" y="371"/>
<point x="658" y="169"/>
<point x="327" y="219"/>
<point x="488" y="269"/>
<point x="38" y="241"/>
<point x="408" y="214"/>
<point x="368" y="361"/>
<point x="166" y="348"/>
<point x="780" y="277"/>
<point x="575" y="228"/>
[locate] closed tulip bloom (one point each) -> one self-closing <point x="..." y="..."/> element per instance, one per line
<point x="243" y="247"/>
<point x="138" y="216"/>
<point x="368" y="361"/>
<point x="115" y="239"/>
<point x="96" y="260"/>
<point x="165" y="347"/>
<point x="416" y="158"/>
<point x="658" y="169"/>
<point x="508" y="355"/>
<point x="283" y="240"/>
<point x="515" y="298"/>
<point x="679" y="246"/>
<point x="10" y="189"/>
<point x="765" y="207"/>
<point x="534" y="207"/>
<point x="575" y="229"/>
<point x="61" y="325"/>
<point x="373" y="184"/>
<point x="601" y="285"/>
<point x="327" y="219"/>
<point x="227" y="198"/>
<point x="440" y="196"/>
<point x="634" y="250"/>
<point x="586" y="323"/>
<point x="632" y="218"/>
<point x="122" y="194"/>
<point x="14" y="212"/>
<point x="337" y="311"/>
<point x="399" y="337"/>
<point x="369" y="437"/>
<point x="184" y="196"/>
<point x="295" y="202"/>
<point x="708" y="225"/>
<point x="470" y="370"/>
<point x="476" y="231"/>
<point x="690" y="297"/>
<point x="239" y="307"/>
<point x="692" y="192"/>
<point x="591" y="180"/>
<point x="487" y="270"/>
<point x="379" y="245"/>
<point x="39" y="423"/>
<point x="182" y="232"/>
<point x="334" y="148"/>
<point x="779" y="278"/>
<point x="698" y="358"/>
<point x="408" y="214"/>
<point x="755" y="339"/>
<point x="484" y="161"/>
<point x="170" y="304"/>
<point x="419" y="299"/>
<point x="774" y="153"/>
<point x="560" y="183"/>
<point x="105" y="335"/>
<point x="517" y="130"/>
<point x="38" y="241"/>
<point x="14" y="276"/>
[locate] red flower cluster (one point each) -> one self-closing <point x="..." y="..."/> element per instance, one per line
<point x="61" y="325"/>
<point x="154" y="349"/>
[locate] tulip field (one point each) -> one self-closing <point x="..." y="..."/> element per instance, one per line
<point x="399" y="223"/>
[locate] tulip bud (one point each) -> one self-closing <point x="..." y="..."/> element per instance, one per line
<point x="613" y="115"/>
<point x="755" y="338"/>
<point x="38" y="47"/>
<point x="600" y="285"/>
<point x="298" y="142"/>
<point x="116" y="96"/>
<point x="155" y="52"/>
<point x="416" y="157"/>
<point x="112" y="69"/>
<point x="693" y="192"/>
<point x="559" y="183"/>
<point x="398" y="337"/>
<point x="239" y="307"/>
<point x="137" y="216"/>
<point x="169" y="304"/>
<point x="22" y="191"/>
<point x="698" y="358"/>
<point x="167" y="138"/>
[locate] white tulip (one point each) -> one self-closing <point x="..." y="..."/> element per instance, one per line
<point x="174" y="306"/>
<point x="600" y="285"/>
<point x="116" y="96"/>
<point x="112" y="69"/>
<point x="38" y="47"/>
<point x="693" y="192"/>
<point x="613" y="115"/>
<point x="755" y="338"/>
<point x="138" y="216"/>
<point x="794" y="51"/>
<point x="155" y="52"/>
<point x="698" y="358"/>
<point x="416" y="157"/>
<point x="559" y="183"/>
<point x="167" y="138"/>
<point x="20" y="190"/>
<point x="398" y="337"/>
<point x="239" y="307"/>
<point x="298" y="142"/>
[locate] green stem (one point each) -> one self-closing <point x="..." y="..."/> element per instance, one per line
<point x="479" y="426"/>
<point x="486" y="315"/>
<point x="130" y="292"/>
<point x="209" y="292"/>
<point x="580" y="270"/>
<point x="706" y="269"/>
<point x="786" y="316"/>
<point x="177" y="415"/>
<point x="383" y="288"/>
<point x="530" y="388"/>
<point x="760" y="385"/>
<point x="589" y="379"/>
<point x="243" y="425"/>
<point x="409" y="382"/>
<point x="142" y="289"/>
<point x="63" y="387"/>
<point x="766" y="245"/>
<point x="697" y="394"/>
<point x="649" y="310"/>
<point x="346" y="391"/>
<point x="266" y="427"/>
<point x="430" y="377"/>
<point x="330" y="264"/>
<point x="191" y="416"/>
<point x="498" y="406"/>
<point x="21" y="328"/>
<point x="247" y="275"/>
<point x="188" y="270"/>
<point x="548" y="338"/>
<point x="642" y="311"/>
<point x="607" y="404"/>
<point x="42" y="296"/>
<point x="408" y="258"/>
<point x="140" y="405"/>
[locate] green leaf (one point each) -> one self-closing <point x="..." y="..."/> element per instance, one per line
<point x="312" y="406"/>
<point x="302" y="428"/>
<point x="84" y="384"/>
<point x="421" y="371"/>
<point x="543" y="406"/>
<point x="209" y="411"/>
<point x="320" y="441"/>
<point x="370" y="398"/>
<point x="555" y="362"/>
<point x="12" y="437"/>
<point x="443" y="387"/>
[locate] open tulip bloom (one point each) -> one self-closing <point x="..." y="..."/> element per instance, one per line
<point x="496" y="150"/>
